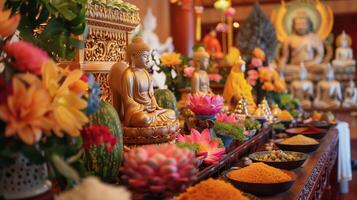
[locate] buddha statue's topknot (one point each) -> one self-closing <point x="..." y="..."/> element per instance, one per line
<point x="137" y="47"/>
<point x="200" y="53"/>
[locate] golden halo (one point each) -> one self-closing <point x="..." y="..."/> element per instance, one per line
<point x="320" y="14"/>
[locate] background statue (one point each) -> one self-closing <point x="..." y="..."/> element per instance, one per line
<point x="133" y="96"/>
<point x="344" y="64"/>
<point x="328" y="92"/>
<point x="302" y="89"/>
<point x="350" y="96"/>
<point x="212" y="45"/>
<point x="151" y="38"/>
<point x="303" y="45"/>
<point x="199" y="80"/>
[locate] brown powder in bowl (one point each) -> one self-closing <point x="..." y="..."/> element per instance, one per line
<point x="259" y="173"/>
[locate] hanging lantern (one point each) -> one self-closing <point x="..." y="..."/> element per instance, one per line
<point x="230" y="12"/>
<point x="222" y="5"/>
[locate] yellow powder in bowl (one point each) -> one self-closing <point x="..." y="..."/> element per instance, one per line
<point x="212" y="189"/>
<point x="259" y="173"/>
<point x="299" y="140"/>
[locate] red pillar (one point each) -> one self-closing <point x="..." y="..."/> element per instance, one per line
<point x="182" y="26"/>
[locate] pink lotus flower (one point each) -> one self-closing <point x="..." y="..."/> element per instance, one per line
<point x="223" y="117"/>
<point x="207" y="146"/>
<point x="215" y="77"/>
<point x="256" y="62"/>
<point x="26" y="56"/>
<point x="188" y="71"/>
<point x="205" y="104"/>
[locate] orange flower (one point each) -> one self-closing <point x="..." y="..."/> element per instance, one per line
<point x="171" y="59"/>
<point x="279" y="86"/>
<point x="265" y="75"/>
<point x="26" y="109"/>
<point x="79" y="86"/>
<point x="8" y="25"/>
<point x="268" y="86"/>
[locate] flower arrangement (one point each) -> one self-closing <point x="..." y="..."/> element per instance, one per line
<point x="170" y="59"/>
<point x="207" y="145"/>
<point x="42" y="108"/>
<point x="266" y="81"/>
<point x="205" y="104"/>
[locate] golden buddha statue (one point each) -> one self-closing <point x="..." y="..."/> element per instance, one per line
<point x="133" y="96"/>
<point x="328" y="92"/>
<point x="236" y="87"/>
<point x="199" y="79"/>
<point x="303" y="45"/>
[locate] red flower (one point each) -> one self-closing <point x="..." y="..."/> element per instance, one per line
<point x="26" y="56"/>
<point x="96" y="135"/>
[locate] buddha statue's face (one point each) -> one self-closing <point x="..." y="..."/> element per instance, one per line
<point x="143" y="60"/>
<point x="301" y="26"/>
<point x="201" y="63"/>
<point x="213" y="33"/>
<point x="344" y="43"/>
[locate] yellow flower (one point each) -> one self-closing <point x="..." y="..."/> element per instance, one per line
<point x="170" y="59"/>
<point x="67" y="104"/>
<point x="279" y="86"/>
<point x="268" y="86"/>
<point x="26" y="110"/>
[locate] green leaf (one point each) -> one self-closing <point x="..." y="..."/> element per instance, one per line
<point x="64" y="169"/>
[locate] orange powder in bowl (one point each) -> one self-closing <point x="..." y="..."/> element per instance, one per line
<point x="259" y="173"/>
<point x="212" y="189"/>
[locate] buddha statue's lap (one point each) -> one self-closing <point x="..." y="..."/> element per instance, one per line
<point x="144" y="121"/>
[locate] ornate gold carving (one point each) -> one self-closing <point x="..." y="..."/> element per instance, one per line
<point x="105" y="45"/>
<point x="106" y="42"/>
<point x="102" y="79"/>
<point x="101" y="12"/>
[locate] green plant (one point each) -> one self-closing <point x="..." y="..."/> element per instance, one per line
<point x="228" y="129"/>
<point x="251" y="124"/>
<point x="191" y="146"/>
<point x="55" y="26"/>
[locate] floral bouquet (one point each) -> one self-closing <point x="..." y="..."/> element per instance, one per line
<point x="42" y="108"/>
<point x="266" y="81"/>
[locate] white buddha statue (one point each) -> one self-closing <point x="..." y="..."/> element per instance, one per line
<point x="328" y="92"/>
<point x="303" y="89"/>
<point x="344" y="53"/>
<point x="350" y="96"/>
<point x="151" y="38"/>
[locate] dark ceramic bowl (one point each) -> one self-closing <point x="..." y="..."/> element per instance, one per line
<point x="312" y="132"/>
<point x="288" y="124"/>
<point x="317" y="124"/>
<point x="262" y="189"/>
<point x="288" y="165"/>
<point x="297" y="148"/>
